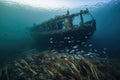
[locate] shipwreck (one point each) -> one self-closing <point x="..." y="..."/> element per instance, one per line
<point x="65" y="30"/>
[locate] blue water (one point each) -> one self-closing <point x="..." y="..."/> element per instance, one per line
<point x="15" y="22"/>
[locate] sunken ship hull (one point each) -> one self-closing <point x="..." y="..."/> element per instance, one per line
<point x="60" y="32"/>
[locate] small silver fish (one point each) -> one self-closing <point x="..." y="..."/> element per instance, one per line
<point x="83" y="43"/>
<point x="51" y="42"/>
<point x="76" y="46"/>
<point x="86" y="37"/>
<point x="72" y="51"/>
<point x="89" y="53"/>
<point x="67" y="50"/>
<point x="95" y="50"/>
<point x="104" y="48"/>
<point x="78" y="52"/>
<point x="51" y="38"/>
<point x="90" y="45"/>
<point x="82" y="51"/>
<point x="78" y="41"/>
<point x="69" y="41"/>
<point x="103" y="52"/>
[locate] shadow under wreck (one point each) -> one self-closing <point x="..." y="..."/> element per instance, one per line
<point x="64" y="31"/>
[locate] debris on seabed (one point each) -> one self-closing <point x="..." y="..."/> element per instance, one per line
<point x="48" y="65"/>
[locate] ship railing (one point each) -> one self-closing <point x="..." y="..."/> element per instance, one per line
<point x="58" y="23"/>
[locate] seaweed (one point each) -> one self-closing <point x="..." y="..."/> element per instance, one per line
<point x="60" y="66"/>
